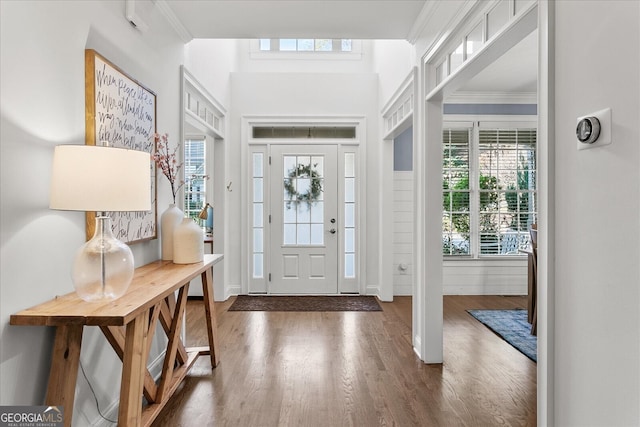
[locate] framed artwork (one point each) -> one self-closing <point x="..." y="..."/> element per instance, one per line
<point x="122" y="112"/>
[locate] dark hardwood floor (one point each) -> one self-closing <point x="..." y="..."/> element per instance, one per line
<point x="354" y="369"/>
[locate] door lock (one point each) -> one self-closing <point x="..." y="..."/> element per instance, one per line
<point x="333" y="220"/>
<point x="332" y="231"/>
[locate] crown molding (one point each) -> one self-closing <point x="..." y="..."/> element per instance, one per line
<point x="174" y="21"/>
<point x="422" y="21"/>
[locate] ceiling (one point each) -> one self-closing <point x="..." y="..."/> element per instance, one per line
<point x="356" y="19"/>
<point x="516" y="71"/>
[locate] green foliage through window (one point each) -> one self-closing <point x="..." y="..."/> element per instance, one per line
<point x="494" y="212"/>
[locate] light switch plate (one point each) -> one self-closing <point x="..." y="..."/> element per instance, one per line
<point x="604" y="117"/>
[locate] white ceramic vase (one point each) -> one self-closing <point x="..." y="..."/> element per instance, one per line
<point x="188" y="242"/>
<point x="169" y="220"/>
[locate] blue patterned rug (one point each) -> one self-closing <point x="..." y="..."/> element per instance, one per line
<point x="511" y="326"/>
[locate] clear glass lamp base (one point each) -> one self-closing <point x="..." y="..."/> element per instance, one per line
<point x="103" y="267"/>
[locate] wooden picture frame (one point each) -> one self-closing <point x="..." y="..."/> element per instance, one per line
<point x="120" y="110"/>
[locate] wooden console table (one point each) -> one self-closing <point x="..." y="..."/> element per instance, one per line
<point x="129" y="323"/>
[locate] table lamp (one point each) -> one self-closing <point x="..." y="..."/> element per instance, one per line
<point x="204" y="213"/>
<point x="101" y="179"/>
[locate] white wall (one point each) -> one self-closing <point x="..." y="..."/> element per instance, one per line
<point x="211" y="61"/>
<point x="485" y="277"/>
<point x="42" y="105"/>
<point x="393" y="60"/>
<point x="597" y="280"/>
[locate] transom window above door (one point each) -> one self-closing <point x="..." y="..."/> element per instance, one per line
<point x="304" y="132"/>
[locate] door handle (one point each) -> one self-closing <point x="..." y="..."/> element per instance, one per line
<point x="332" y="231"/>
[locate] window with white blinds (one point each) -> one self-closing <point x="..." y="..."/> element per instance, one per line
<point x="456" y="192"/>
<point x="507" y="178"/>
<point x="195" y="177"/>
<point x="489" y="189"/>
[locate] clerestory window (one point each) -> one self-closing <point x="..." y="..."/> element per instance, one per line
<point x="306" y="45"/>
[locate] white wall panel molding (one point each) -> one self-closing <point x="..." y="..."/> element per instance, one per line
<point x="403" y="233"/>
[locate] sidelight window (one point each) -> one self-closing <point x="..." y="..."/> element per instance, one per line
<point x="258" y="225"/>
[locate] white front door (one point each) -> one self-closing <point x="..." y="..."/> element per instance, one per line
<point x="304" y="228"/>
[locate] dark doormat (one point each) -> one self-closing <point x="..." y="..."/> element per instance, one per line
<point x="305" y="303"/>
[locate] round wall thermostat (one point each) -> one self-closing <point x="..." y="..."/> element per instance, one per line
<point x="588" y="130"/>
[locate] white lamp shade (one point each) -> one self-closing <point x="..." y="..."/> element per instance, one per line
<point x="95" y="178"/>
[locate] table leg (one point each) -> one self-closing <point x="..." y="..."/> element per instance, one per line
<point x="64" y="369"/>
<point x="534" y="320"/>
<point x="531" y="288"/>
<point x="134" y="365"/>
<point x="210" y="315"/>
<point x="167" y="380"/>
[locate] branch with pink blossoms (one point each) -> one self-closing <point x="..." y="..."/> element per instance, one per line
<point x="167" y="162"/>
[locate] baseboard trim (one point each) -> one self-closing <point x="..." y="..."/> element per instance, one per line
<point x="484" y="290"/>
